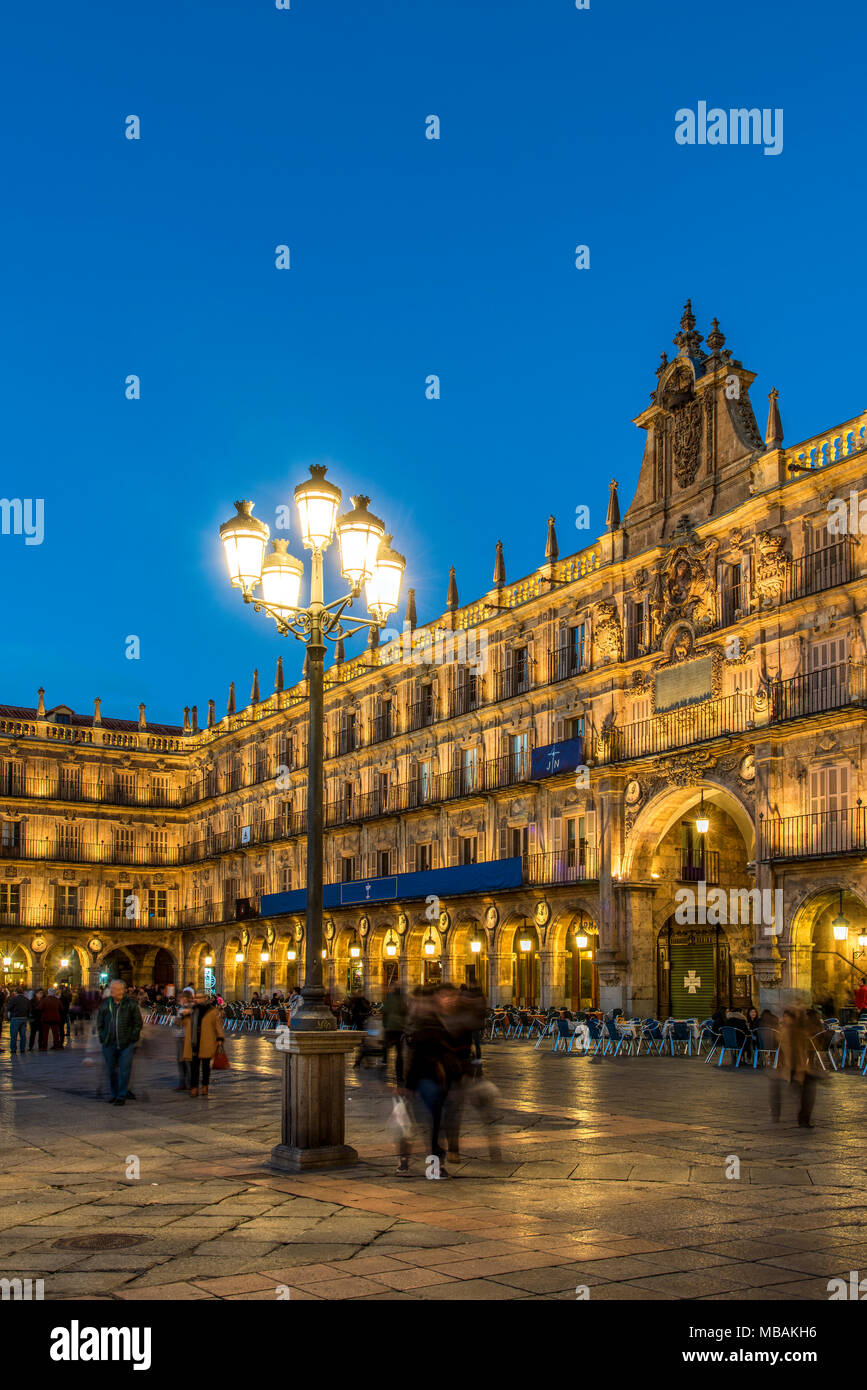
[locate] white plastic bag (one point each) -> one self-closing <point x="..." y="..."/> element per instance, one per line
<point x="399" y="1122"/>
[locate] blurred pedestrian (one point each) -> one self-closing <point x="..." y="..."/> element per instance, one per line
<point x="795" y="1066"/>
<point x="394" y="1010"/>
<point x="119" y="1025"/>
<point x="185" y="1004"/>
<point x="430" y="1073"/>
<point x="203" y="1035"/>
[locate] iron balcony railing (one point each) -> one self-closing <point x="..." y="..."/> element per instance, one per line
<point x="79" y="791"/>
<point x="566" y="661"/>
<point x="422" y="713"/>
<point x="570" y="866"/>
<point x="85" y="918"/>
<point x="699" y="866"/>
<point x="382" y="727"/>
<point x="729" y="715"/>
<point x="815" y="835"/>
<point x="465" y="697"/>
<point x="515" y="680"/>
<point x="213" y="914"/>
<point x="823" y="569"/>
<point x="89" y="852"/>
<point x="817" y="691"/>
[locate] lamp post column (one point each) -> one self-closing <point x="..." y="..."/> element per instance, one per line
<point x="314" y="1063"/>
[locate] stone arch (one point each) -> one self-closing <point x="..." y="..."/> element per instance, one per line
<point x="817" y="968"/>
<point x="655" y="820"/>
<point x="381" y="970"/>
<point x="16" y="952"/>
<point x="233" y="970"/>
<point x="571" y="973"/>
<point x="468" y="967"/>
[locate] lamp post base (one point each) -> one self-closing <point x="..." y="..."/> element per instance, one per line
<point x="314" y="1086"/>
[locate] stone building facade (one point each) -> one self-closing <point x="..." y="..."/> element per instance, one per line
<point x="517" y="792"/>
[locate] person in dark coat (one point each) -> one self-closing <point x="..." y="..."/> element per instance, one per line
<point x="50" y="1019"/>
<point x="34" y="1016"/>
<point x="119" y="1025"/>
<point x="433" y="1068"/>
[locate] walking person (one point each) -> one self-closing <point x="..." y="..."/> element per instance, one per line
<point x="428" y="1077"/>
<point x="18" y="1011"/>
<point x="33" y="1016"/>
<point x="203" y="1035"/>
<point x="185" y="1006"/>
<point x="119" y="1025"/>
<point x="49" y="1020"/>
<point x="393" y="1027"/>
<point x="795" y="1066"/>
<point x="65" y="1007"/>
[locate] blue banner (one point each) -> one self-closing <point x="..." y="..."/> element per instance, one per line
<point x="556" y="757"/>
<point x="494" y="875"/>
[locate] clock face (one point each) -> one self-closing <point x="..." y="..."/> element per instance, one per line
<point x="444" y="921"/>
<point x="492" y="917"/>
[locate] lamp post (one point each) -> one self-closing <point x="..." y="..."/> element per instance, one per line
<point x="313" y="1099"/>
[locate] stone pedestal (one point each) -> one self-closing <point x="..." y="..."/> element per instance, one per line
<point x="314" y="1088"/>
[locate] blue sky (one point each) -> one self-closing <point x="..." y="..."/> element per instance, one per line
<point x="409" y="257"/>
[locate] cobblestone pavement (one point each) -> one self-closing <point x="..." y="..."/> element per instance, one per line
<point x="613" y="1177"/>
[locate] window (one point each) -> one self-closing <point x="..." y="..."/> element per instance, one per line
<point x="567" y="658"/>
<point x="421" y="783"/>
<point x="347" y="868"/>
<point x="468" y="766"/>
<point x="285" y="879"/>
<point x="125" y="905"/>
<point x="346" y="734"/>
<point x="829" y="820"/>
<point x="423" y="858"/>
<point x="124" y="785"/>
<point x="11" y="779"/>
<point x="827" y="684"/>
<point x="160" y="791"/>
<point x="636" y="637"/>
<point x="380" y="792"/>
<point x="66" y="904"/>
<point x="517" y="755"/>
<point x="522" y="669"/>
<point x="520" y="839"/>
<point x="347" y="799"/>
<point x="235" y="825"/>
<point x="69" y="839"/>
<point x="284" y="751"/>
<point x="10" y="901"/>
<point x="382" y="725"/>
<point x="286" y="818"/>
<point x="258" y="888"/>
<point x="156" y="904"/>
<point x="732" y="593"/>
<point x="469" y="850"/>
<point x="159" y="844"/>
<point x="383" y="863"/>
<point x="261" y="763"/>
<point x="11" y="836"/>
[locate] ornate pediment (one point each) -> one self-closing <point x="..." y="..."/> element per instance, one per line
<point x="685" y="587"/>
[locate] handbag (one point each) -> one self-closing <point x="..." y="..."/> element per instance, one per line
<point x="221" y="1061"/>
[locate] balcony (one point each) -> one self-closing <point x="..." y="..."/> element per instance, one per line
<point x="567" y="661"/>
<point x="346" y="742"/>
<point x="382" y="728"/>
<point x="90" y="852"/>
<point x="824" y="569"/>
<point x="699" y="866"/>
<point x="579" y="865"/>
<point x="422" y="714"/>
<point x="817" y="835"/>
<point x="472" y="780"/>
<point x="217" y="914"/>
<point x="85" y="919"/>
<point x="79" y="792"/>
<point x="465" y="698"/>
<point x="515" y="680"/>
<point x="818" y="691"/>
<point x="732" y="714"/>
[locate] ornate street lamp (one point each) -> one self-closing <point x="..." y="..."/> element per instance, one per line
<point x="366" y="558"/>
<point x="702" y="823"/>
<point x="390" y="944"/>
<point x="841" y="923"/>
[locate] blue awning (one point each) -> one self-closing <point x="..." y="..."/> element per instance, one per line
<point x="495" y="875"/>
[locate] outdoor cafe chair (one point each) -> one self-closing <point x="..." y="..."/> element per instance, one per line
<point x="680" y="1038"/>
<point x="853" y="1041"/>
<point x="549" y="1028"/>
<point x="650" y="1037"/>
<point x="730" y="1040"/>
<point x="766" y="1044"/>
<point x="615" y="1040"/>
<point x="563" y="1033"/>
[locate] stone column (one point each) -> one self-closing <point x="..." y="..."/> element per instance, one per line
<point x="547" y="983"/>
<point x="314" y="1084"/>
<point x="500" y="977"/>
<point x="641" y="952"/>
